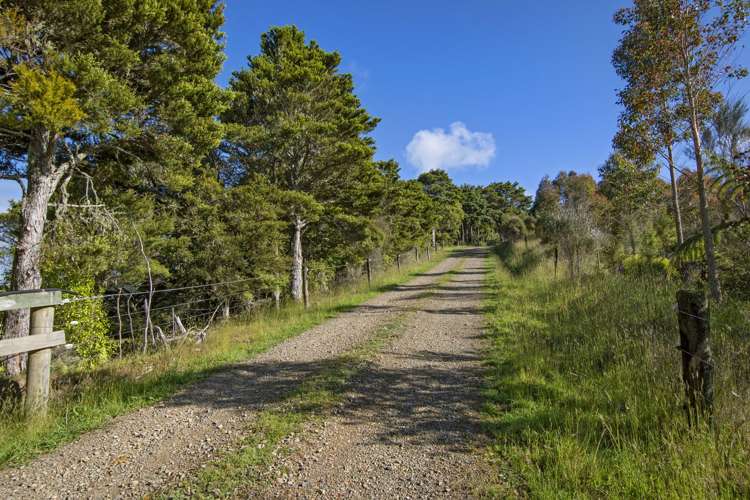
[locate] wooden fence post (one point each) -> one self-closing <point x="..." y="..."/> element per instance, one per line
<point x="697" y="367"/>
<point x="398" y="262"/>
<point x="37" y="374"/>
<point x="369" y="273"/>
<point x="416" y="253"/>
<point x="38" y="343"/>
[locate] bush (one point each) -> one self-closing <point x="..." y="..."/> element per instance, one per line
<point x="86" y="325"/>
<point x="643" y="265"/>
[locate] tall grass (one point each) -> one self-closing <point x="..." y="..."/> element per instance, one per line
<point x="584" y="397"/>
<point x="84" y="399"/>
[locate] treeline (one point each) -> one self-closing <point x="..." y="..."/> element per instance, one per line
<point x="140" y="175"/>
<point x="692" y="224"/>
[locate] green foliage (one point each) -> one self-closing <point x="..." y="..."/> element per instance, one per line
<point x="86" y="325"/>
<point x="643" y="265"/>
<point x="36" y="98"/>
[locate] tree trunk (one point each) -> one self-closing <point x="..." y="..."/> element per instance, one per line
<point x="434" y="239"/>
<point x="556" y="259"/>
<point x="305" y="289"/>
<point x="277" y="298"/>
<point x="708" y="239"/>
<point x="675" y="197"/>
<point x="26" y="275"/>
<point x="297" y="291"/>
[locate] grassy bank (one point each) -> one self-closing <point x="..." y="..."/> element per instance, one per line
<point x="584" y="396"/>
<point x="85" y="400"/>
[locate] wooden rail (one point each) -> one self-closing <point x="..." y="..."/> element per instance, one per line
<point x="38" y="344"/>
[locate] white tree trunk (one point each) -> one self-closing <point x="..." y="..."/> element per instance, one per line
<point x="42" y="181"/>
<point x="297" y="284"/>
<point x="708" y="237"/>
<point x="434" y="239"/>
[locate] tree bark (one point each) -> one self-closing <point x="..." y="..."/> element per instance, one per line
<point x="297" y="281"/>
<point x="42" y="181"/>
<point x="434" y="239"/>
<point x="675" y="197"/>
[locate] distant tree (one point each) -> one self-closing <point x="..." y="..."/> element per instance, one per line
<point x="632" y="191"/>
<point x="447" y="210"/>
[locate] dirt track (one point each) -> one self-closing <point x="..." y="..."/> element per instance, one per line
<point x="407" y="429"/>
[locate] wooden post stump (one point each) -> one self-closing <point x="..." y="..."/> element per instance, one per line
<point x="697" y="367"/>
<point x="398" y="262"/>
<point x="416" y="253"/>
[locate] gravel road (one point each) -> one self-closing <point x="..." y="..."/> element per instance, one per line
<point x="409" y="427"/>
<point x="407" y="430"/>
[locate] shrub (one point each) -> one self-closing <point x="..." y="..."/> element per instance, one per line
<point x="86" y="325"/>
<point x="643" y="265"/>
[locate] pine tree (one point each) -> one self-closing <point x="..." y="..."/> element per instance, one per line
<point x="295" y="119"/>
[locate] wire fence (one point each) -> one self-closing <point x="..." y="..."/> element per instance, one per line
<point x="138" y="320"/>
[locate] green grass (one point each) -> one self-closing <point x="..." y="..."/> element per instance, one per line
<point x="85" y="400"/>
<point x="583" y="396"/>
<point x="238" y="473"/>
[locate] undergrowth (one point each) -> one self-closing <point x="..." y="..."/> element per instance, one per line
<point x="86" y="399"/>
<point x="584" y="397"/>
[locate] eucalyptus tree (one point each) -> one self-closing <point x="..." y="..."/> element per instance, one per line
<point x="81" y="80"/>
<point x="296" y="120"/>
<point x="685" y="43"/>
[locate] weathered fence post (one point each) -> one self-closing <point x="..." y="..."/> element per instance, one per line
<point x="369" y="273"/>
<point x="37" y="375"/>
<point x="398" y="262"/>
<point x="416" y="253"/>
<point x="38" y="343"/>
<point x="697" y="367"/>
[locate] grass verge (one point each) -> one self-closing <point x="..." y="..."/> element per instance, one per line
<point x="584" y="398"/>
<point x="86" y="400"/>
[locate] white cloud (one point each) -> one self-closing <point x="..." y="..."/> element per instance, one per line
<point x="459" y="147"/>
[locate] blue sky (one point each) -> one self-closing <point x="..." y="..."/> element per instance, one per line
<point x="534" y="78"/>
